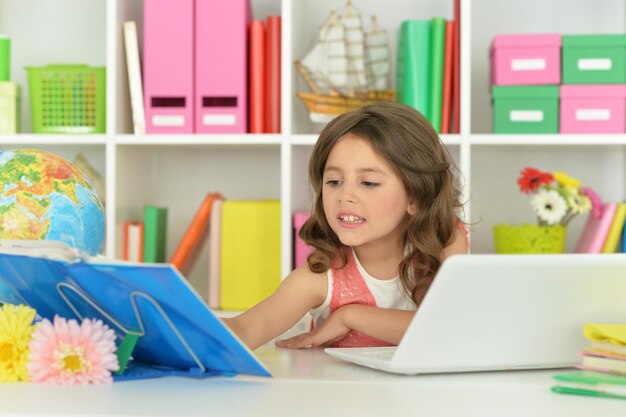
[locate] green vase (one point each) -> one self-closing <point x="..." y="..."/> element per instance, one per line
<point x="529" y="238"/>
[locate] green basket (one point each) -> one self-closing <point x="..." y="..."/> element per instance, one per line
<point x="529" y="238"/>
<point x="67" y="98"/>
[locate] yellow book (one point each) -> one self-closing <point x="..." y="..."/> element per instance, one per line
<point x="606" y="338"/>
<point x="612" y="238"/>
<point x="250" y="252"/>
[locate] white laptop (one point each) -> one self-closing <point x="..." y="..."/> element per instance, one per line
<point x="505" y="312"/>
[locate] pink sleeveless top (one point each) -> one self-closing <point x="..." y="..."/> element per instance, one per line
<point x="349" y="287"/>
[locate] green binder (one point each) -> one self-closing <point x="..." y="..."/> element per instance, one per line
<point x="438" y="38"/>
<point x="413" y="66"/>
<point x="154" y="233"/>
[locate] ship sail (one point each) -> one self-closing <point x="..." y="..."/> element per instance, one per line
<point x="346" y="67"/>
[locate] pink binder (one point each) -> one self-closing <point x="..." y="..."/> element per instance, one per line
<point x="168" y="66"/>
<point x="221" y="66"/>
<point x="301" y="249"/>
<point x="595" y="231"/>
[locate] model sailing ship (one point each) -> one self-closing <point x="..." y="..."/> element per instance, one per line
<point x="346" y="68"/>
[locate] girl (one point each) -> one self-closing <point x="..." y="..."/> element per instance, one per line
<point x="384" y="219"/>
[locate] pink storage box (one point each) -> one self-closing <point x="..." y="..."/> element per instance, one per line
<point x="593" y="108"/>
<point x="301" y="249"/>
<point x="526" y="59"/>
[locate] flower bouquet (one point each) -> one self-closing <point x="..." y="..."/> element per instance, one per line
<point x="556" y="198"/>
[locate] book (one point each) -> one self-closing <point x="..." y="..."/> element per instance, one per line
<point x="615" y="229"/>
<point x="196" y="234"/>
<point x="177" y="334"/>
<point x="215" y="233"/>
<point x="132" y="249"/>
<point x="301" y="250"/>
<point x="438" y="35"/>
<point x="595" y="230"/>
<point x="273" y="74"/>
<point x="257" y="75"/>
<point x="154" y="233"/>
<point x="413" y="83"/>
<point x="456" y="71"/>
<point x="250" y="252"/>
<point x="191" y="242"/>
<point x="607" y="338"/>
<point x="448" y="63"/>
<point x="135" y="86"/>
<point x="591" y="383"/>
<point x="596" y="361"/>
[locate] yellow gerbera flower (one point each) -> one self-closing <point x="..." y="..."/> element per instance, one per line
<point x="16" y="326"/>
<point x="565" y="180"/>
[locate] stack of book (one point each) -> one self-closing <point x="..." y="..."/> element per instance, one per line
<point x="603" y="367"/>
<point x="604" y="230"/>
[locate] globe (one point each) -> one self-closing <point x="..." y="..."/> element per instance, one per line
<point x="43" y="196"/>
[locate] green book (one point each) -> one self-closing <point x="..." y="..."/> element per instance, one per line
<point x="438" y="42"/>
<point x="590" y="383"/>
<point x="413" y="65"/>
<point x="154" y="233"/>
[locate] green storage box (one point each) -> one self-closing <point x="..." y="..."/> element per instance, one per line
<point x="525" y="109"/>
<point x="67" y="98"/>
<point x="594" y="59"/>
<point x="9" y="108"/>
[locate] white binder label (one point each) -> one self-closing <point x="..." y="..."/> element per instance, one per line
<point x="526" y="116"/>
<point x="587" y="115"/>
<point x="537" y="64"/>
<point x="218" y="119"/>
<point x="597" y="64"/>
<point x="168" y="120"/>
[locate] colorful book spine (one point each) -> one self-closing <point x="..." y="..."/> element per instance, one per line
<point x="413" y="69"/>
<point x="197" y="232"/>
<point x="133" y="242"/>
<point x="257" y="74"/>
<point x="272" y="74"/>
<point x="155" y="233"/>
<point x="438" y="39"/>
<point x="615" y="231"/>
<point x="250" y="252"/>
<point x="215" y="235"/>
<point x="456" y="76"/>
<point x="448" y="64"/>
<point x="133" y="66"/>
<point x="599" y="237"/>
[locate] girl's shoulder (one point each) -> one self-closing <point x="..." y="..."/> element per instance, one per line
<point x="313" y="283"/>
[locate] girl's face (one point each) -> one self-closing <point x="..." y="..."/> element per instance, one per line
<point x="364" y="198"/>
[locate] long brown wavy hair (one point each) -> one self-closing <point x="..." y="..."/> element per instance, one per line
<point x="412" y="147"/>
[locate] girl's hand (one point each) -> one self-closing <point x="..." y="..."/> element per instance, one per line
<point x="332" y="330"/>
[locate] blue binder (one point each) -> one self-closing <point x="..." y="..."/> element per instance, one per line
<point x="177" y="334"/>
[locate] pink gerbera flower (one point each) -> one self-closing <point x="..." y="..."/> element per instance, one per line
<point x="65" y="352"/>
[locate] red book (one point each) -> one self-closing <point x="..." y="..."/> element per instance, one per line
<point x="256" y="123"/>
<point x="196" y="233"/>
<point x="448" y="61"/>
<point x="456" y="88"/>
<point x="272" y="74"/>
<point x="132" y="249"/>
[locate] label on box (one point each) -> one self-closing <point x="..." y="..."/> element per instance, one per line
<point x="596" y="64"/>
<point x="533" y="64"/>
<point x="219" y="119"/>
<point x="167" y="120"/>
<point x="588" y="115"/>
<point x="526" y="116"/>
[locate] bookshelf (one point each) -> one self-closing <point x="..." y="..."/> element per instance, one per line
<point x="178" y="170"/>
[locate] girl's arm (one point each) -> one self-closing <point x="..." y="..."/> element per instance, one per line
<point x="301" y="291"/>
<point x="381" y="323"/>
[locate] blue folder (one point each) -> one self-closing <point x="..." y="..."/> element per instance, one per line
<point x="178" y="333"/>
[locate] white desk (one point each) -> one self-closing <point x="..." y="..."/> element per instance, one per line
<point x="311" y="383"/>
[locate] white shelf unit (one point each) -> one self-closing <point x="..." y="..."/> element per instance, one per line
<point x="176" y="171"/>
